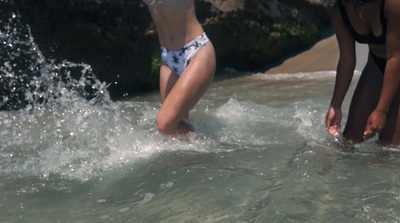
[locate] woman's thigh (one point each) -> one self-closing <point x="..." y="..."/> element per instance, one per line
<point x="190" y="86"/>
<point x="364" y="101"/>
<point x="168" y="78"/>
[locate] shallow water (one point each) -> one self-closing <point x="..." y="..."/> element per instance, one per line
<point x="260" y="152"/>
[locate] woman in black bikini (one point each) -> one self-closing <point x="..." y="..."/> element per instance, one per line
<point x="188" y="62"/>
<point x="374" y="108"/>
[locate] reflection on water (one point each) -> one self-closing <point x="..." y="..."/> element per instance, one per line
<point x="260" y="152"/>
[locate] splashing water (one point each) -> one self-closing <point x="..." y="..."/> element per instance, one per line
<point x="260" y="152"/>
<point x="67" y="123"/>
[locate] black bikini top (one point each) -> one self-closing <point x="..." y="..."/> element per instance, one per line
<point x="370" y="39"/>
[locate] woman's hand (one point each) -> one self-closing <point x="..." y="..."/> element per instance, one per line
<point x="375" y="124"/>
<point x="333" y="120"/>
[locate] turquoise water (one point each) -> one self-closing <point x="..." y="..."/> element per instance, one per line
<point x="260" y="152"/>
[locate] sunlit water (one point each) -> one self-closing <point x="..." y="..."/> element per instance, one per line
<point x="259" y="154"/>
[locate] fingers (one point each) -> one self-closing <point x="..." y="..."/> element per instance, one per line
<point x="333" y="127"/>
<point x="370" y="132"/>
<point x="334" y="130"/>
<point x="328" y="124"/>
<point x="333" y="119"/>
<point x="375" y="124"/>
<point x="368" y="135"/>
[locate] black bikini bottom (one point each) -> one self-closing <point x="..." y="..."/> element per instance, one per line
<point x="380" y="62"/>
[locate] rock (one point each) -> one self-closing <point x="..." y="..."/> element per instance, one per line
<point x="118" y="39"/>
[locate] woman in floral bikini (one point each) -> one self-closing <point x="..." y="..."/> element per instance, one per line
<point x="188" y="62"/>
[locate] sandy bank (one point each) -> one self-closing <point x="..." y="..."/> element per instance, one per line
<point x="323" y="56"/>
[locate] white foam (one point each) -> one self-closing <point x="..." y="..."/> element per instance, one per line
<point x="301" y="75"/>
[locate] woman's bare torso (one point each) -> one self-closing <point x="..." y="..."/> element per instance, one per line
<point x="176" y="23"/>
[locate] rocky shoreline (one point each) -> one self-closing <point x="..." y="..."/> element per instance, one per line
<point x="118" y="39"/>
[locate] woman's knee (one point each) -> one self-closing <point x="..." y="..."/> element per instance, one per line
<point x="168" y="127"/>
<point x="164" y="125"/>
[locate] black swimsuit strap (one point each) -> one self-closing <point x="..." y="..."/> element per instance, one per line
<point x="345" y="17"/>
<point x="380" y="62"/>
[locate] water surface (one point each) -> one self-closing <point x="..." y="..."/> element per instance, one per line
<point x="260" y="152"/>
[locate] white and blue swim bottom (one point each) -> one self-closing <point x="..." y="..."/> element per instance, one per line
<point x="180" y="59"/>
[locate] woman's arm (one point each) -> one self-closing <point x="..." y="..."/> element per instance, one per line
<point x="347" y="59"/>
<point x="391" y="79"/>
<point x="344" y="72"/>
